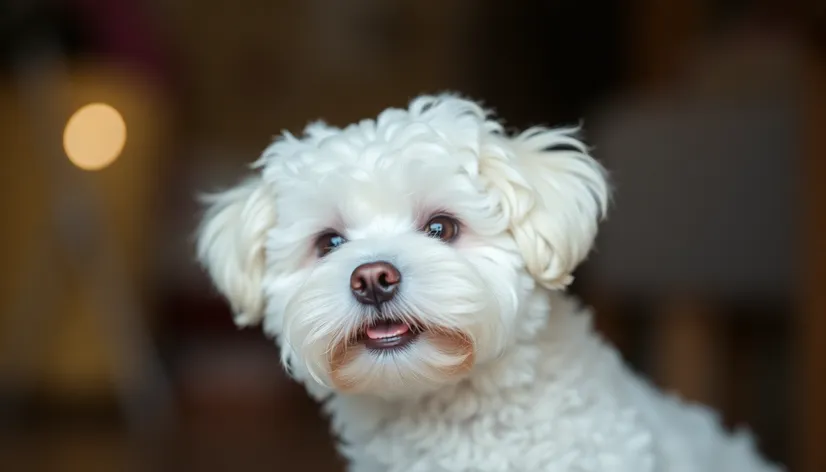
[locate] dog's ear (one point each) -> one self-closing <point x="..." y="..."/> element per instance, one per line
<point x="552" y="193"/>
<point x="231" y="243"/>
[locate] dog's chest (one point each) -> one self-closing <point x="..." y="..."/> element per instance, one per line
<point x="527" y="431"/>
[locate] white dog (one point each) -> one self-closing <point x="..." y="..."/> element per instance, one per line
<point x="411" y="268"/>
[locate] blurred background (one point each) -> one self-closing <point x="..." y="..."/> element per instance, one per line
<point x="115" y="353"/>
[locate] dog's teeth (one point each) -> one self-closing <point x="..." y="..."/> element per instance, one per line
<point x="387" y="330"/>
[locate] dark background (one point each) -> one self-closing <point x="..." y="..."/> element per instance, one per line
<point x="115" y="352"/>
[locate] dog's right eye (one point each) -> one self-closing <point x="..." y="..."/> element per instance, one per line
<point x="327" y="242"/>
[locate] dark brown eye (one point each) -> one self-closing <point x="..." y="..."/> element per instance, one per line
<point x="327" y="242"/>
<point x="442" y="227"/>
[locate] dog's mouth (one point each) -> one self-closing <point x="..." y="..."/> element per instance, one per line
<point x="360" y="362"/>
<point x="387" y="334"/>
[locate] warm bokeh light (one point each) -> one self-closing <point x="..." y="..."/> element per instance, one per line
<point x="94" y="136"/>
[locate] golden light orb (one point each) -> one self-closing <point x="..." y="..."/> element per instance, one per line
<point x="94" y="136"/>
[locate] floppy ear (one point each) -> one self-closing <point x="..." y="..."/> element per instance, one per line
<point x="553" y="193"/>
<point x="230" y="242"/>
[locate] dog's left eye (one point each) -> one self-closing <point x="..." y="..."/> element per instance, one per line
<point x="327" y="242"/>
<point x="442" y="227"/>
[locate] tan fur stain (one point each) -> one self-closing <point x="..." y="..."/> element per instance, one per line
<point x="342" y="355"/>
<point x="454" y="343"/>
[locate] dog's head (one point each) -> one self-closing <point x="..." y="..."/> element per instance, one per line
<point x="393" y="256"/>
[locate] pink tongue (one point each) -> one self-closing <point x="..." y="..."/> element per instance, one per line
<point x="387" y="330"/>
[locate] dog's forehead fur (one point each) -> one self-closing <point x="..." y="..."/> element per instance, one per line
<point x="389" y="172"/>
<point x="448" y="129"/>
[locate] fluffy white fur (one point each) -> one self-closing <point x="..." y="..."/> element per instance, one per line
<point x="508" y="375"/>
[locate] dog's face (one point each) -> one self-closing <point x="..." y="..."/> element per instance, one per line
<point x="394" y="256"/>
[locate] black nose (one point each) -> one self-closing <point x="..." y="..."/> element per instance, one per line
<point x="375" y="283"/>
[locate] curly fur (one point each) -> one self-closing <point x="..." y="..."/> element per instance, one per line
<point x="507" y="374"/>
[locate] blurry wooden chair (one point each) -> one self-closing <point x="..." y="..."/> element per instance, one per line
<point x="707" y="197"/>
